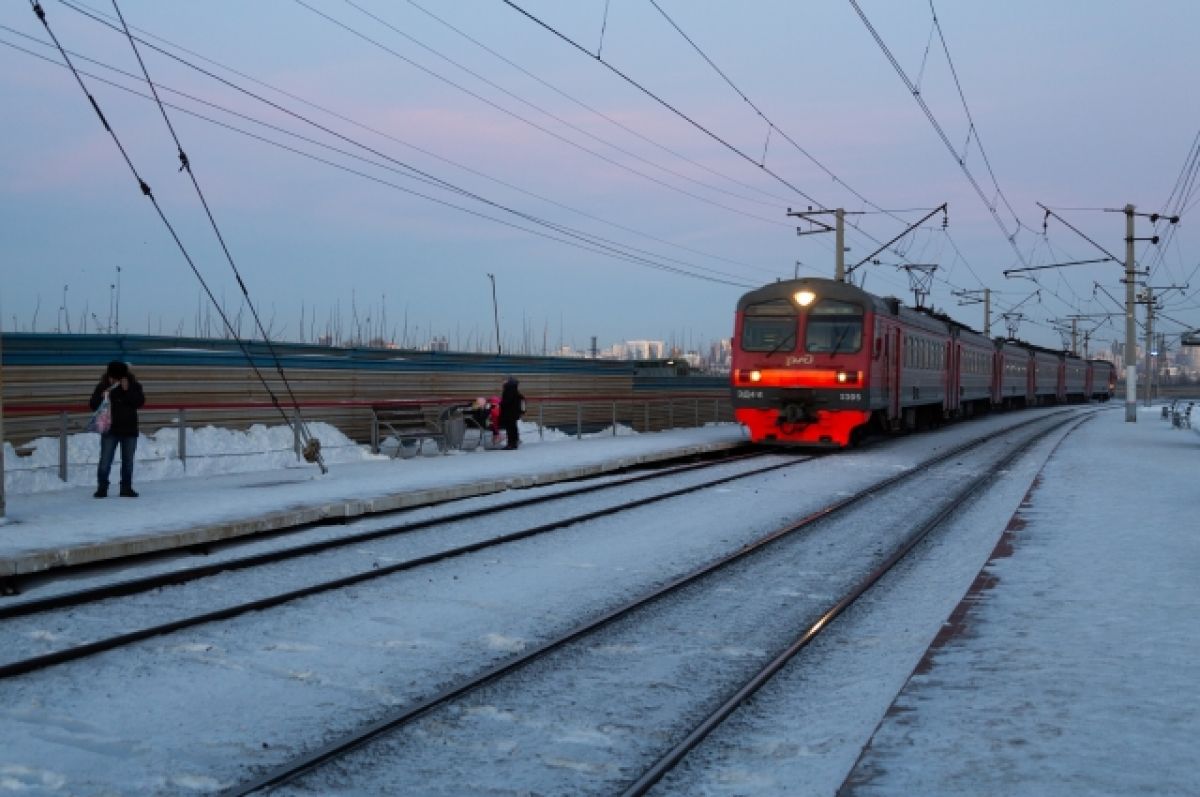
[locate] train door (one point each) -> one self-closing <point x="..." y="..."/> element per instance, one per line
<point x="896" y="364"/>
<point x="1031" y="370"/>
<point x="953" y="371"/>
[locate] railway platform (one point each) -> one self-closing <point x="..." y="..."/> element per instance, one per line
<point x="68" y="527"/>
<point x="1067" y="668"/>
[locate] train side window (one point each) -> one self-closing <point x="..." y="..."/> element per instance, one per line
<point x="770" y="326"/>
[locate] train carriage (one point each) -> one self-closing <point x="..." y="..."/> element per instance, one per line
<point x="805" y="364"/>
<point x="816" y="361"/>
<point x="819" y="362"/>
<point x="1045" y="375"/>
<point x="971" y="367"/>
<point x="1101" y="379"/>
<point x="1074" y="384"/>
<point x="1011" y="386"/>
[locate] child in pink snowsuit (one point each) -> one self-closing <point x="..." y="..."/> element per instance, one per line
<point x="494" y="419"/>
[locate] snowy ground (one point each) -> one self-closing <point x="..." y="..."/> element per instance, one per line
<point x="1074" y="675"/>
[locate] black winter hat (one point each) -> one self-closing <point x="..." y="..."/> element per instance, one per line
<point x="117" y="369"/>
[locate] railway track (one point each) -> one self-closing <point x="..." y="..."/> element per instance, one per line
<point x="636" y="666"/>
<point x="357" y="556"/>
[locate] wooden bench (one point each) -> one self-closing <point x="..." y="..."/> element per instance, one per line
<point x="410" y="424"/>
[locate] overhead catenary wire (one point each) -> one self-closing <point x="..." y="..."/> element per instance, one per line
<point x="326" y="162"/>
<point x="665" y="104"/>
<point x="581" y="242"/>
<point x="958" y="158"/>
<point x="440" y="182"/>
<point x="149" y="194"/>
<point x="312" y="446"/>
<point x="353" y="31"/>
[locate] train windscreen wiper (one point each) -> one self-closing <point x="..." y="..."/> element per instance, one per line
<point x="789" y="337"/>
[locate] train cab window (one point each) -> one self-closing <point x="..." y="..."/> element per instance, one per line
<point x="769" y="326"/>
<point x="834" y="326"/>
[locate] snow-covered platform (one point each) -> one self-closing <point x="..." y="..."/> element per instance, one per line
<point x="67" y="527"/>
<point x="1070" y="666"/>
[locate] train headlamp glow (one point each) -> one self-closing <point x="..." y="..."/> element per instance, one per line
<point x="804" y="298"/>
<point x="755" y="376"/>
<point x="848" y="377"/>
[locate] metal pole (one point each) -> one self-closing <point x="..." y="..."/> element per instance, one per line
<point x="987" y="312"/>
<point x="1149" y="340"/>
<point x="62" y="445"/>
<point x="1" y="425"/>
<point x="495" y="311"/>
<point x="1130" y="326"/>
<point x="840" y="245"/>
<point x="183" y="438"/>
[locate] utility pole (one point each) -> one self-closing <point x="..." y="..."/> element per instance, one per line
<point x="495" y="312"/>
<point x="838" y="229"/>
<point x="1149" y="342"/>
<point x="1154" y="367"/>
<point x="2" y="509"/>
<point x="1130" y="325"/>
<point x="839" y="245"/>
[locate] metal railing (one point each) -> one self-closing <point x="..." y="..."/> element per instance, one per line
<point x="571" y="416"/>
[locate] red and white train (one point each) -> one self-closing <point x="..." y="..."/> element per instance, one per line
<point x="821" y="362"/>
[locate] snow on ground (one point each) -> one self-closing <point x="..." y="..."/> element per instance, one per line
<point x="1074" y="675"/>
<point x="210" y="450"/>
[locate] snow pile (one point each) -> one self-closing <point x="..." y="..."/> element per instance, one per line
<point x="212" y="450"/>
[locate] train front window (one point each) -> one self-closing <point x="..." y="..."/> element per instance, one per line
<point x="769" y="326"/>
<point x="834" y="326"/>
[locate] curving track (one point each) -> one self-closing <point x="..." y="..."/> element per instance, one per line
<point x="663" y="670"/>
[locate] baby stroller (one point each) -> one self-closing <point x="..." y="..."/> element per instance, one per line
<point x="483" y="416"/>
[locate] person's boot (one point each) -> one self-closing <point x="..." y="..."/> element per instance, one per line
<point x="101" y="492"/>
<point x="127" y="492"/>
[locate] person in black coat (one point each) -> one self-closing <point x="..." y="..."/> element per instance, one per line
<point x="512" y="407"/>
<point x="124" y="397"/>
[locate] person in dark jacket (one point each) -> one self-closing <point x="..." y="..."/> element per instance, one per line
<point x="124" y="397"/>
<point x="512" y="407"/>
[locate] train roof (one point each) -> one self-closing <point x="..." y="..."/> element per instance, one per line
<point x="827" y="288"/>
<point x="824" y="288"/>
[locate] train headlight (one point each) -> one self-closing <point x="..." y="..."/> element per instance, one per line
<point x="756" y="376"/>
<point x="804" y="298"/>
<point x="848" y="377"/>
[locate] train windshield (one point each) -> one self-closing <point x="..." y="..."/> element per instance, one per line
<point x="834" y="326"/>
<point x="769" y="326"/>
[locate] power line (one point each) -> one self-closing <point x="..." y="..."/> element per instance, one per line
<point x="761" y="165"/>
<point x="361" y="158"/>
<point x="148" y="193"/>
<point x="312" y="445"/>
<point x="771" y="126"/>
<point x="959" y="159"/>
<point x="537" y="126"/>
<point x="571" y="98"/>
<point x="439" y="182"/>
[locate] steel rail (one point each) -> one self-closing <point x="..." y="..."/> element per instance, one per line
<point x="35" y="663"/>
<point x="174" y="577"/>
<point x="405" y="715"/>
<point x="677" y="753"/>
